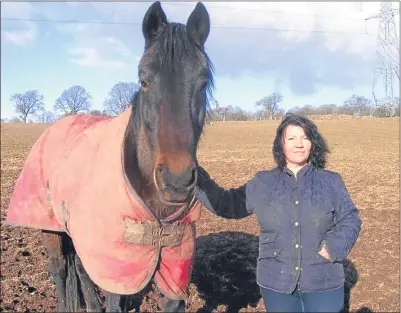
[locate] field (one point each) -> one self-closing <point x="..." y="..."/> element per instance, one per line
<point x="365" y="152"/>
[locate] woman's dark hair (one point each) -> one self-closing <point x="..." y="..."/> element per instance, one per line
<point x="319" y="148"/>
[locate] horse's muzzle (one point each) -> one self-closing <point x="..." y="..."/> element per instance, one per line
<point x="175" y="189"/>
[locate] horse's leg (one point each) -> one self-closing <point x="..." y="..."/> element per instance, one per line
<point x="169" y="305"/>
<point x="115" y="302"/>
<point x="62" y="269"/>
<point x="88" y="288"/>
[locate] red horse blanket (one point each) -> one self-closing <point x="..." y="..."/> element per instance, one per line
<point x="73" y="181"/>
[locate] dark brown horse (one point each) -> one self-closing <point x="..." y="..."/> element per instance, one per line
<point x="160" y="145"/>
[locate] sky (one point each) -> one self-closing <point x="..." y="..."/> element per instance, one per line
<point x="312" y="53"/>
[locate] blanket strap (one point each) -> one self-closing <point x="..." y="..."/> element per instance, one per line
<point x="146" y="233"/>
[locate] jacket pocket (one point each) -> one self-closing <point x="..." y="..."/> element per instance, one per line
<point x="267" y="237"/>
<point x="267" y="246"/>
<point x="269" y="253"/>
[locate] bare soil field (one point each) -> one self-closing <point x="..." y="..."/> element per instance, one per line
<point x="364" y="152"/>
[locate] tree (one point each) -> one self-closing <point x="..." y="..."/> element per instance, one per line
<point x="306" y="110"/>
<point x="326" y="109"/>
<point x="120" y="97"/>
<point x="397" y="106"/>
<point x="270" y="103"/>
<point x="356" y="104"/>
<point x="226" y="112"/>
<point x="15" y="119"/>
<point x="214" y="110"/>
<point x="238" y="114"/>
<point x="27" y="103"/>
<point x="389" y="107"/>
<point x="294" y="110"/>
<point x="95" y="112"/>
<point x="47" y="117"/>
<point x="73" y="100"/>
<point x="279" y="113"/>
<point x="259" y="115"/>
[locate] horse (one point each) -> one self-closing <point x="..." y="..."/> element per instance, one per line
<point x="92" y="237"/>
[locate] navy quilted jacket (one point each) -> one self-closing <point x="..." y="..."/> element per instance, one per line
<point x="296" y="216"/>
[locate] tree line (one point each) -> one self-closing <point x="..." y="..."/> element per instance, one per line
<point x="269" y="109"/>
<point x="76" y="100"/>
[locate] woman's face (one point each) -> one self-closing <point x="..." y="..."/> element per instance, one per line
<point x="297" y="146"/>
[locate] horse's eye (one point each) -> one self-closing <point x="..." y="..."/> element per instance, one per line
<point x="144" y="84"/>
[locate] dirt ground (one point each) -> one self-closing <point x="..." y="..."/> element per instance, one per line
<point x="365" y="152"/>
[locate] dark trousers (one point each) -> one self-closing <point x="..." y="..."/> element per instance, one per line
<point x="298" y="301"/>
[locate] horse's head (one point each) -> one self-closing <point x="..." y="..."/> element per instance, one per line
<point x="175" y="75"/>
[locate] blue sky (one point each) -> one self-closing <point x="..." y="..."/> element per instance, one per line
<point x="312" y="53"/>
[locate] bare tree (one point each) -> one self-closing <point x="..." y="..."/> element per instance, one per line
<point x="259" y="115"/>
<point x="47" y="117"/>
<point x="120" y="97"/>
<point x="15" y="119"/>
<point x="218" y="112"/>
<point x="226" y="112"/>
<point x="28" y="103"/>
<point x="356" y="104"/>
<point x="279" y="114"/>
<point x="73" y="100"/>
<point x="306" y="110"/>
<point x="270" y="103"/>
<point x="326" y="109"/>
<point x="388" y="107"/>
<point x="214" y="111"/>
<point x="239" y="114"/>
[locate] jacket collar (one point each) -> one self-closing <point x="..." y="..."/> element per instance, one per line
<point x="303" y="171"/>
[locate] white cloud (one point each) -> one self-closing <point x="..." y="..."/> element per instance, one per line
<point x="298" y="21"/>
<point x="342" y="24"/>
<point x="100" y="45"/>
<point x="22" y="37"/>
<point x="118" y="46"/>
<point x="17" y="9"/>
<point x="18" y="33"/>
<point x="90" y="57"/>
<point x="293" y="22"/>
<point x="295" y="33"/>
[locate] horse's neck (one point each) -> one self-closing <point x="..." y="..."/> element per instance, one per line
<point x="141" y="179"/>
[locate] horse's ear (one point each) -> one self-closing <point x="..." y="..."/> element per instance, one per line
<point x="198" y="24"/>
<point x="153" y="22"/>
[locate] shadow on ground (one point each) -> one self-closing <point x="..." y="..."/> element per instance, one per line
<point x="225" y="268"/>
<point x="351" y="278"/>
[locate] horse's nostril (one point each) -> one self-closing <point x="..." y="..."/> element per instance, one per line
<point x="181" y="181"/>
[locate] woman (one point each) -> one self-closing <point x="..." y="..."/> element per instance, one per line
<point x="308" y="221"/>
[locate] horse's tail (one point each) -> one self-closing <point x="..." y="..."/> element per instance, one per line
<point x="74" y="299"/>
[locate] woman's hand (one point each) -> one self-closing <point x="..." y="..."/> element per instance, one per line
<point x="323" y="252"/>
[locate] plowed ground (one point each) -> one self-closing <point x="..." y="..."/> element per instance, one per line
<point x="364" y="152"/>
